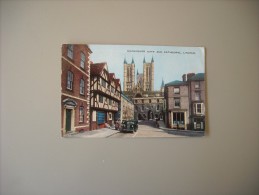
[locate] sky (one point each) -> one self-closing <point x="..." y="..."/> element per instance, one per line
<point x="170" y="62"/>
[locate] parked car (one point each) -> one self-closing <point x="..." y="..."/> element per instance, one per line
<point x="129" y="126"/>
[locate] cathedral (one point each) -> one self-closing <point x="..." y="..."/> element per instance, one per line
<point x="149" y="104"/>
<point x="144" y="81"/>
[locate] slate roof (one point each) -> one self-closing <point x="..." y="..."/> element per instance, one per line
<point x="176" y="82"/>
<point x="197" y="77"/>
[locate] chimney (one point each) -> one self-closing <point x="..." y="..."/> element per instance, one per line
<point x="184" y="77"/>
<point x="190" y="75"/>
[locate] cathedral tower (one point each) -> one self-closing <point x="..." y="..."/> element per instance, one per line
<point x="129" y="75"/>
<point x="148" y="75"/>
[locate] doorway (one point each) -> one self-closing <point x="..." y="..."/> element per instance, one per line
<point x="68" y="119"/>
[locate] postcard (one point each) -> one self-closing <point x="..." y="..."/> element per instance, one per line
<point x="131" y="91"/>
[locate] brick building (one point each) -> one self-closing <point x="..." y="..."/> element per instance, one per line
<point x="197" y="101"/>
<point x="75" y="89"/>
<point x="185" y="102"/>
<point x="177" y="104"/>
<point x="105" y="96"/>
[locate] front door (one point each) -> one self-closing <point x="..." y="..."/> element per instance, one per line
<point x="68" y="119"/>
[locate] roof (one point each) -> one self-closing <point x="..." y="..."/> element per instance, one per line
<point x="197" y="77"/>
<point x="96" y="68"/>
<point x="117" y="82"/>
<point x="126" y="97"/>
<point x="176" y="82"/>
<point x="111" y="76"/>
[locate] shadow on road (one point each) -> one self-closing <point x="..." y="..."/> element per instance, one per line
<point x="150" y="123"/>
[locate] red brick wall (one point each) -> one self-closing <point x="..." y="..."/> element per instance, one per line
<point x="79" y="73"/>
<point x="76" y="118"/>
<point x="93" y="125"/>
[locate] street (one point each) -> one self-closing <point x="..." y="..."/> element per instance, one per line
<point x="146" y="129"/>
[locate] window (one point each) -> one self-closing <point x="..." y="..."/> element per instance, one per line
<point x="100" y="99"/>
<point x="70" y="80"/>
<point x="70" y="51"/>
<point x="112" y="89"/>
<point x="103" y="82"/>
<point x="157" y="107"/>
<point x="178" y="118"/>
<point x="176" y="90"/>
<point x="110" y="102"/>
<point x="82" y="87"/>
<point x="150" y="101"/>
<point x="176" y="102"/>
<point x="199" y="108"/>
<point x="197" y="85"/>
<point x="81" y="114"/>
<point x="197" y="96"/>
<point x="110" y="116"/>
<point x="82" y="62"/>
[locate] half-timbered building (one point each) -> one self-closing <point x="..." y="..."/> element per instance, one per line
<point x="105" y="96"/>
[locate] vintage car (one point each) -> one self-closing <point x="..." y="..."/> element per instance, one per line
<point x="128" y="126"/>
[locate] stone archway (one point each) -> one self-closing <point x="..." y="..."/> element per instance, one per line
<point x="150" y="115"/>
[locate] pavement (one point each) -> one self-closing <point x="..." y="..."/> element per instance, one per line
<point x="99" y="133"/>
<point x="189" y="133"/>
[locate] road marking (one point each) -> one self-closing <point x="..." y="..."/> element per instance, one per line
<point x="135" y="134"/>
